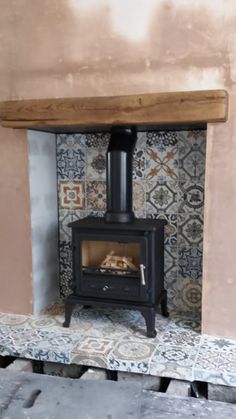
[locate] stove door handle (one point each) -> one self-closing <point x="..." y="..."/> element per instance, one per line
<point x="142" y="267"/>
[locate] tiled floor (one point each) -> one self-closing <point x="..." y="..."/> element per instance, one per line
<point x="115" y="339"/>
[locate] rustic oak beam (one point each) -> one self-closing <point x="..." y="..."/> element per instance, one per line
<point x="144" y="109"/>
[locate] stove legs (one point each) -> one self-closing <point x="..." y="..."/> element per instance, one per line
<point x="149" y="315"/>
<point x="69" y="307"/>
<point x="150" y="312"/>
<point x="164" y="309"/>
<point x="147" y="312"/>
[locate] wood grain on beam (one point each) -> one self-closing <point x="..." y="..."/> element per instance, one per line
<point x="144" y="109"/>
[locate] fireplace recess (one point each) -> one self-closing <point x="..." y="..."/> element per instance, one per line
<point x="118" y="261"/>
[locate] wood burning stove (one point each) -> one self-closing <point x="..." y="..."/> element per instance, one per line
<point x="118" y="261"/>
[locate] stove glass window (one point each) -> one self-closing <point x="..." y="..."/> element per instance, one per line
<point x="111" y="258"/>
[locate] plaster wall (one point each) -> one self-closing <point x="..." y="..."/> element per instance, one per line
<point x="68" y="48"/>
<point x="15" y="232"/>
<point x="44" y="218"/>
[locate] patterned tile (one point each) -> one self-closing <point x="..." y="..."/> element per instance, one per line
<point x="96" y="195"/>
<point x="181" y="337"/>
<point x="190" y="262"/>
<point x="214" y="377"/>
<point x="188" y="295"/>
<point x="207" y="360"/>
<point x="170" y="266"/>
<point x="97" y="140"/>
<point x="169" y="167"/>
<point x="161" y="139"/>
<point x="67" y="216"/>
<point x="65" y="283"/>
<point x="70" y="157"/>
<point x="109" y="338"/>
<point x="139" y="164"/>
<point x="70" y="141"/>
<point x="133" y="350"/>
<point x="95" y="346"/>
<point x="139" y="197"/>
<point x="64" y="220"/>
<point x="178" y="355"/>
<point x="71" y="195"/>
<point x="216" y="358"/>
<point x="227" y="361"/>
<point x="190" y="229"/>
<point x="141" y="140"/>
<point x="162" y="197"/>
<point x="187" y="320"/>
<point x="12" y="320"/>
<point x="191" y="197"/>
<point x="65" y="255"/>
<point x="192" y="151"/>
<point x="65" y="269"/>
<point x="96" y="214"/>
<point x="162" y="165"/>
<point x="96" y="163"/>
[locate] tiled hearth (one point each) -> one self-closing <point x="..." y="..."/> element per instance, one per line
<point x="168" y="175"/>
<point x="116" y="339"/>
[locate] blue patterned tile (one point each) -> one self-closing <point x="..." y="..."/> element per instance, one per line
<point x="70" y="141"/>
<point x="67" y="216"/>
<point x="97" y="140"/>
<point x="174" y="161"/>
<point x="192" y="152"/>
<point x="190" y="230"/>
<point x="162" y="197"/>
<point x="70" y="157"/>
<point x="161" y="139"/>
<point x="190" y="262"/>
<point x="179" y="337"/>
<point x="190" y="197"/>
<point x="170" y="265"/>
<point x="96" y="214"/>
<point x="187" y="320"/>
<point x="227" y="361"/>
<point x="115" y="339"/>
<point x="65" y="269"/>
<point x="139" y="164"/>
<point x="52" y="356"/>
<point x="175" y="355"/>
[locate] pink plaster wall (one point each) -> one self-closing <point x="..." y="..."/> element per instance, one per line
<point x="15" y="233"/>
<point x="54" y="48"/>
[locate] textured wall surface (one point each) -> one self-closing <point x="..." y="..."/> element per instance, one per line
<point x="44" y="218"/>
<point x="168" y="176"/>
<point x="15" y="231"/>
<point x="56" y="48"/>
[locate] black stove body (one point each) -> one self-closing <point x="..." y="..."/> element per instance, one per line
<point x="137" y="280"/>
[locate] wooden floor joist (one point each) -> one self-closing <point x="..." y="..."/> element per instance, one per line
<point x="37" y="396"/>
<point x="141" y="110"/>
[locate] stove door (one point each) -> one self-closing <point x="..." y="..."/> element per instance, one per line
<point x="112" y="267"/>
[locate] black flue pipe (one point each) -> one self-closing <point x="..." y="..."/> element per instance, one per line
<point x="119" y="164"/>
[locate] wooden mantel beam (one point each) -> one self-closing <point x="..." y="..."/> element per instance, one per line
<point x="143" y="110"/>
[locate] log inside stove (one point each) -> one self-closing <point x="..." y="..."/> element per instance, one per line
<point x="114" y="265"/>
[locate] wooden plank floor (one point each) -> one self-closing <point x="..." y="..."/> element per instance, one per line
<point x="35" y="396"/>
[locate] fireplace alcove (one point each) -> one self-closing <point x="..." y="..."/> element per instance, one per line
<point x="175" y="111"/>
